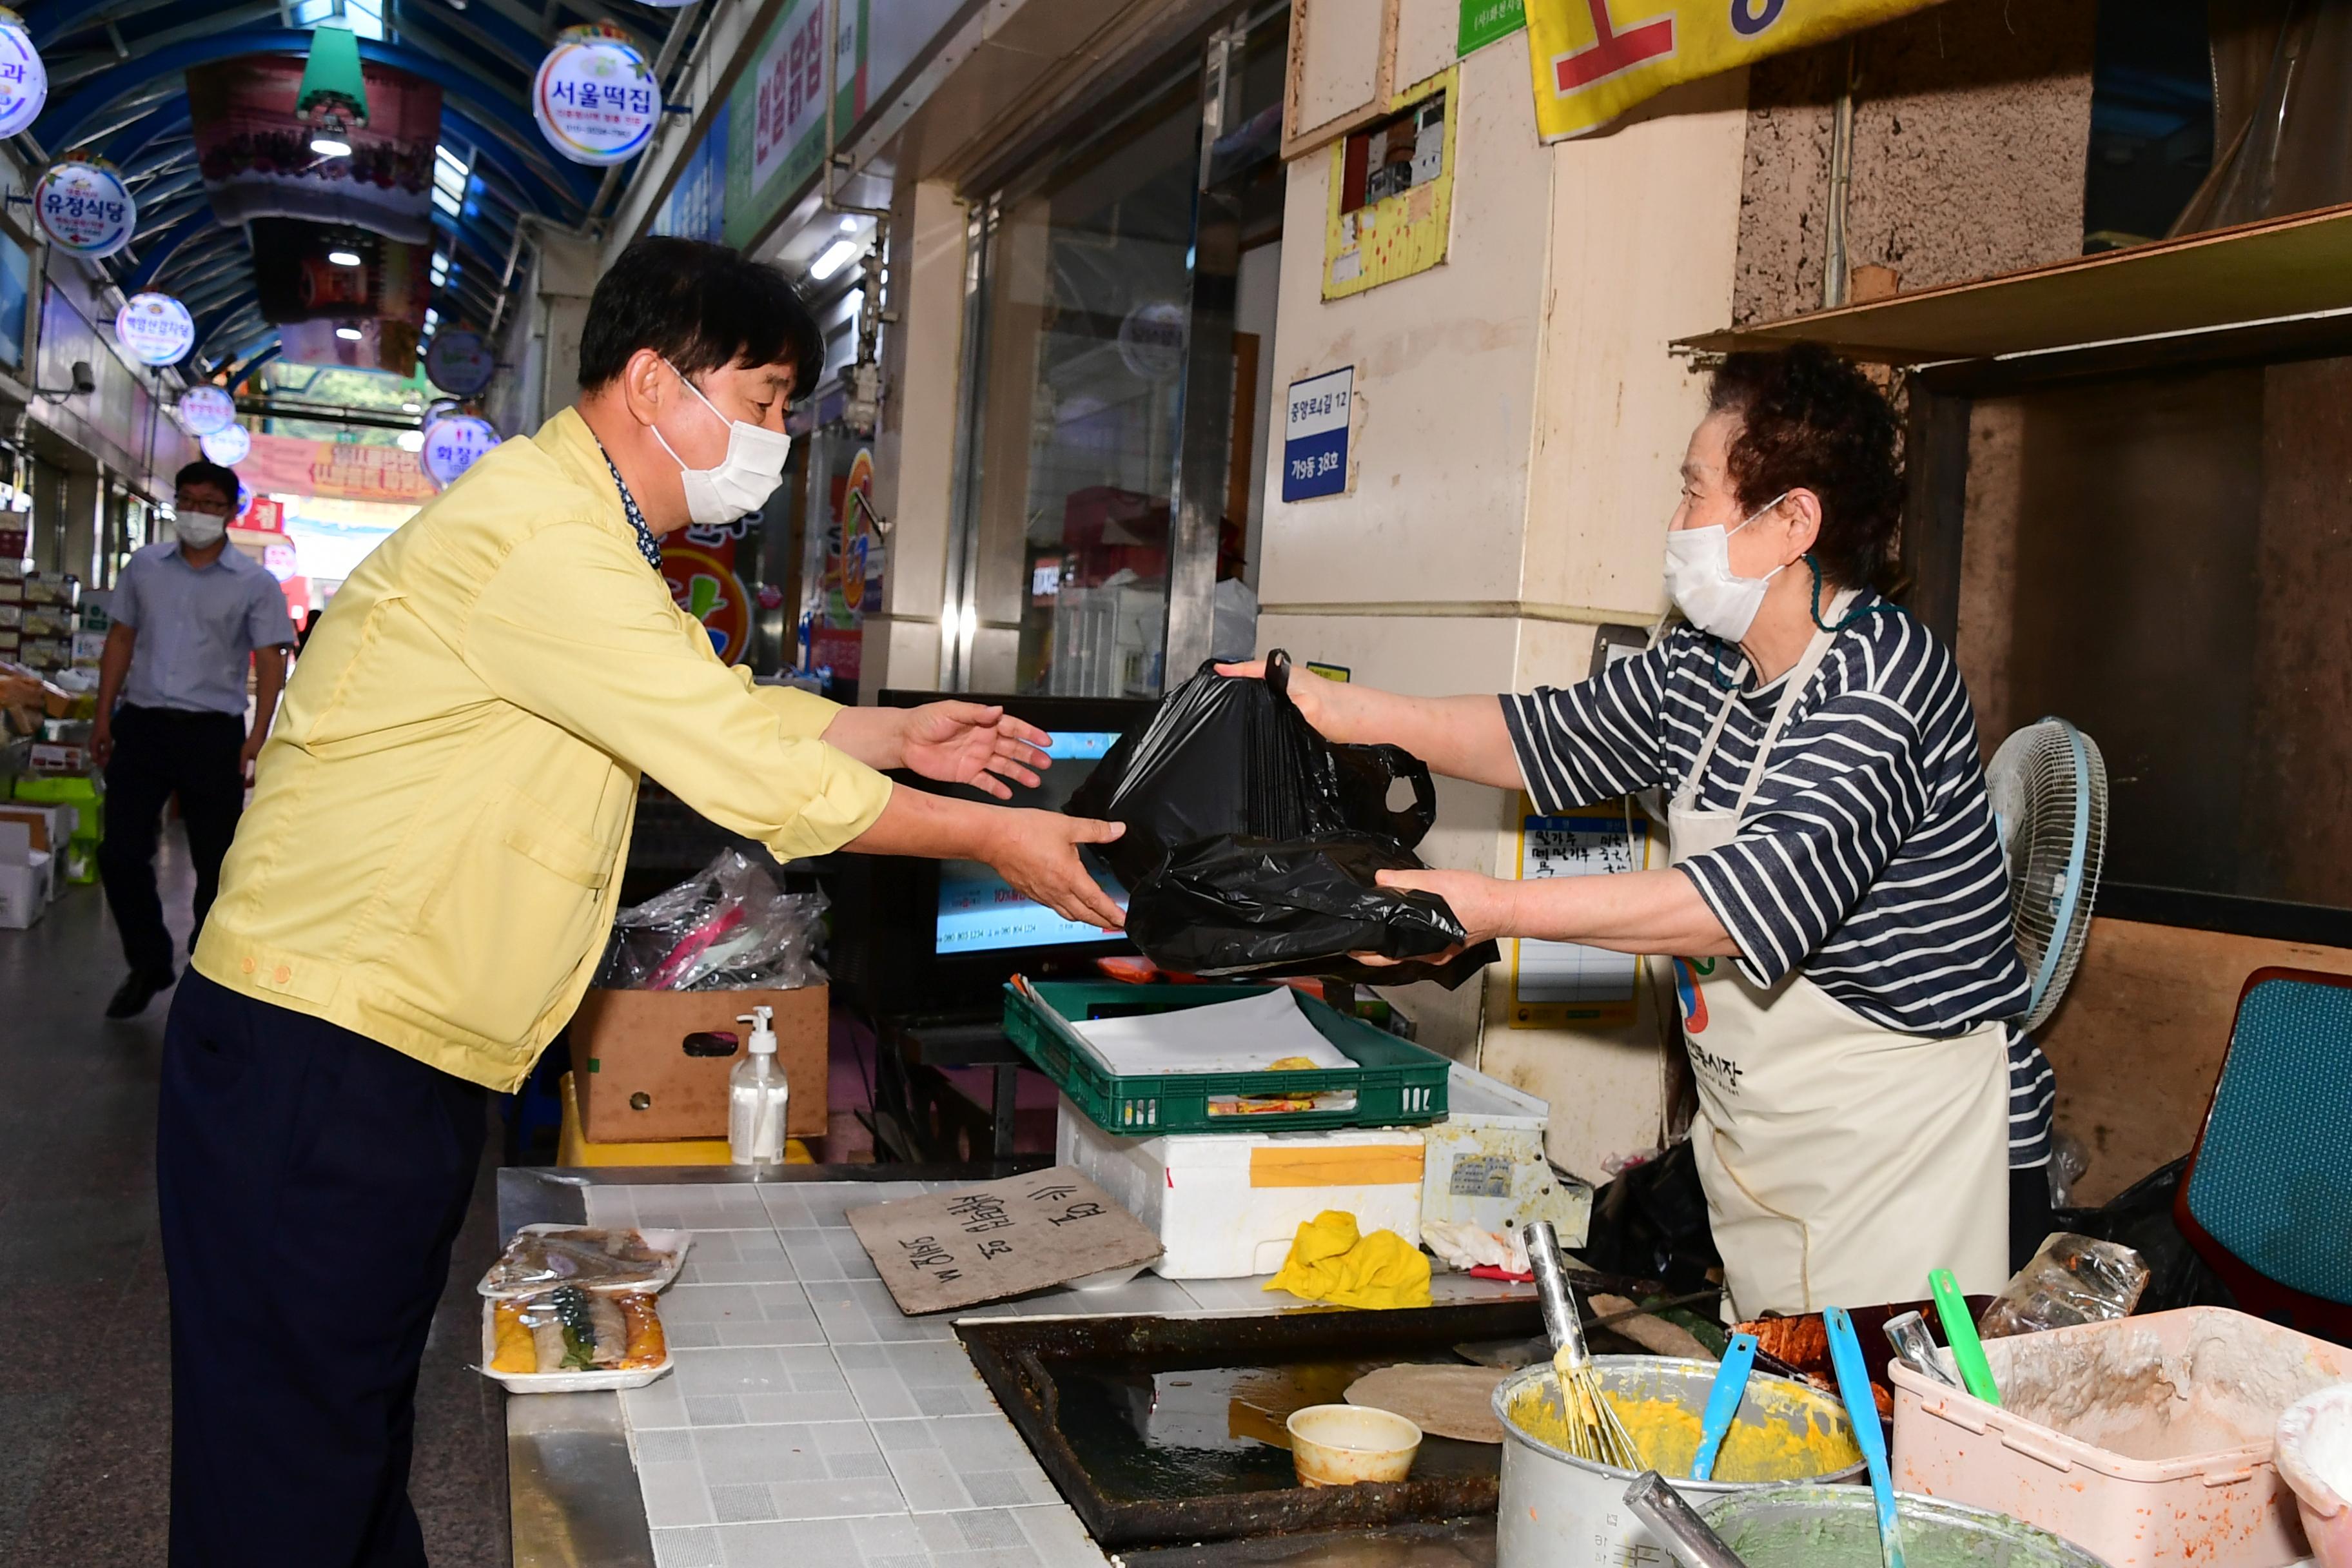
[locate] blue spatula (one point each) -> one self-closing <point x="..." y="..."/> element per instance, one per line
<point x="1723" y="1402"/>
<point x="1853" y="1385"/>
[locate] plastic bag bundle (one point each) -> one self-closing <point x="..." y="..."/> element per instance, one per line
<point x="730" y="927"/>
<point x="1252" y="844"/>
<point x="2072" y="1279"/>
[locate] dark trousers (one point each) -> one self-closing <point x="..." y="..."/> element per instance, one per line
<point x="311" y="1184"/>
<point x="160" y="752"/>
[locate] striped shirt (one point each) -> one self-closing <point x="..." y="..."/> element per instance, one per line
<point x="1867" y="859"/>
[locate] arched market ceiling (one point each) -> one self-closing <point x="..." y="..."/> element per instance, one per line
<point x="117" y="89"/>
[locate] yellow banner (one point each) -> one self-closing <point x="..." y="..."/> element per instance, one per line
<point x="1594" y="59"/>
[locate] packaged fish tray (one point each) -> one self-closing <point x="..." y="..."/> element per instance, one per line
<point x="572" y="1341"/>
<point x="1341" y="1071"/>
<point x="542" y="1257"/>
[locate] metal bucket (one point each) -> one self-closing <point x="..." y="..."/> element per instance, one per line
<point x="1837" y="1527"/>
<point x="1560" y="1511"/>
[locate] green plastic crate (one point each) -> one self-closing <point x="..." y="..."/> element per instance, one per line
<point x="1397" y="1083"/>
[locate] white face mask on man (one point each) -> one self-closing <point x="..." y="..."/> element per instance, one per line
<point x="198" y="530"/>
<point x="1703" y="587"/>
<point x="744" y="480"/>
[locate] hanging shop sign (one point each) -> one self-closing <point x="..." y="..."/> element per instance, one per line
<point x="1594" y="59"/>
<point x="460" y="363"/>
<point x="454" y="445"/>
<point x="155" y="328"/>
<point x="24" y="80"/>
<point x="706" y="588"/>
<point x="1390" y="211"/>
<point x="82" y="205"/>
<point x="336" y="470"/>
<point x="204" y="409"/>
<point x="1152" y="340"/>
<point x="256" y="161"/>
<point x="228" y="445"/>
<point x="594" y="98"/>
<point x="1314" y="436"/>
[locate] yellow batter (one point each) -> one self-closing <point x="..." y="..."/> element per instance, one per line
<point x="1774" y="1440"/>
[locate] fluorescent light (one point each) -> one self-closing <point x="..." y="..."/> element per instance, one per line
<point x="331" y="147"/>
<point x="411" y="408"/>
<point x="825" y="266"/>
<point x="343" y="257"/>
<point x="409" y="440"/>
<point x="850" y="225"/>
<point x="349" y="334"/>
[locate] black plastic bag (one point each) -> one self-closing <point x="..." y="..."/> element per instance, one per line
<point x="1252" y="843"/>
<point x="2141" y="1218"/>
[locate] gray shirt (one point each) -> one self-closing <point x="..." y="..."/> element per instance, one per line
<point x="196" y="628"/>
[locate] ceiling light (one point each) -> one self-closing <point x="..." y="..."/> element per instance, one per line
<point x="411" y="408"/>
<point x="850" y="225"/>
<point x="409" y="440"/>
<point x="825" y="266"/>
<point x="349" y="334"/>
<point x="343" y="257"/>
<point x="331" y="147"/>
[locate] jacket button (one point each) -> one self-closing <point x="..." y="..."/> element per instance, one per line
<point x="248" y="966"/>
<point x="283" y="974"/>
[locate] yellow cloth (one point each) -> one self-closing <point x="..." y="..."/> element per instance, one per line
<point x="1330" y="1261"/>
<point x="435" y="846"/>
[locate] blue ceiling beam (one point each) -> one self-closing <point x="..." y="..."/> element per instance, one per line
<point x="165" y="245"/>
<point x="84" y="115"/>
<point x="124" y="149"/>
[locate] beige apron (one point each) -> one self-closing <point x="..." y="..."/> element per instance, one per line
<point x="1841" y="1160"/>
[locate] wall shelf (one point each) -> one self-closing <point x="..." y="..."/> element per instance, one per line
<point x="2280" y="270"/>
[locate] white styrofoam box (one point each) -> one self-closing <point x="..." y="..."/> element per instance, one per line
<point x="1486" y="1165"/>
<point x="1228" y="1204"/>
<point x="25" y="889"/>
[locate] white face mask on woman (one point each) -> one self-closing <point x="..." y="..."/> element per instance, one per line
<point x="198" y="530"/>
<point x="745" y="477"/>
<point x="1703" y="587"/>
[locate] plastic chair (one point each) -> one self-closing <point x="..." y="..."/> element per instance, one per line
<point x="2267" y="1198"/>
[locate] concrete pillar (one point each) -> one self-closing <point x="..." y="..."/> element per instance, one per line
<point x="1517" y="427"/>
<point x="85" y="529"/>
<point x="542" y="344"/>
<point x="915" y="446"/>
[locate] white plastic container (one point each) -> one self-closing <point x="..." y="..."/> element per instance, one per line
<point x="757" y="1097"/>
<point x="2147" y="1441"/>
<point x="1486" y="1165"/>
<point x="1226" y="1206"/>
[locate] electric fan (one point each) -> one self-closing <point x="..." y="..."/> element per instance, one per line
<point x="2049" y="789"/>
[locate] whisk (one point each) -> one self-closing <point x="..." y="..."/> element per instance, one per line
<point x="1593" y="1431"/>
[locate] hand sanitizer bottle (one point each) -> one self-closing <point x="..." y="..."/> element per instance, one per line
<point x="757" y="1098"/>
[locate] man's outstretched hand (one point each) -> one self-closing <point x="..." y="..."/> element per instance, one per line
<point x="1036" y="853"/>
<point x="967" y="743"/>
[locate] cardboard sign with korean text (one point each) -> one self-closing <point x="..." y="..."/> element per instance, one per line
<point x="1001" y="1238"/>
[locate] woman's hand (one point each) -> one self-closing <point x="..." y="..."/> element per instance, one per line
<point x="1316" y="699"/>
<point x="1488" y="907"/>
<point x="1036" y="853"/>
<point x="966" y="743"/>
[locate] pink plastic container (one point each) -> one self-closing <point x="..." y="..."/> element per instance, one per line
<point x="2147" y="1441"/>
<point x="2314" y="1455"/>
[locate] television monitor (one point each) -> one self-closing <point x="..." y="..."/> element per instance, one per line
<point x="921" y="936"/>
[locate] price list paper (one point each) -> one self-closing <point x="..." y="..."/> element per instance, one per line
<point x="1559" y="983"/>
<point x="1002" y="1238"/>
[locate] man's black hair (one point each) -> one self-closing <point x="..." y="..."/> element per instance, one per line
<point x="702" y="307"/>
<point x="201" y="472"/>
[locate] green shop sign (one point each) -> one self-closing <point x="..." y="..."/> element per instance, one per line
<point x="1484" y="21"/>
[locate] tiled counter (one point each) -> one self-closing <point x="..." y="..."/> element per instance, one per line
<point x="808" y="1423"/>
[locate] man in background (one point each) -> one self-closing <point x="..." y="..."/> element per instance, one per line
<point x="190" y="614"/>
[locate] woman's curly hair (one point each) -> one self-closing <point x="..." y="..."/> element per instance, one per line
<point x="1809" y="420"/>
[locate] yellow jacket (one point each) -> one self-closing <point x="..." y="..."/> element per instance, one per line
<point x="435" y="846"/>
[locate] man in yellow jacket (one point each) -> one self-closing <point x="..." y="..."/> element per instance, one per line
<point x="421" y="889"/>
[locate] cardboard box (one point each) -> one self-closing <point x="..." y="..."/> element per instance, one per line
<point x="641" y="1074"/>
<point x="25" y="876"/>
<point x="50" y="825"/>
<point x="59" y="758"/>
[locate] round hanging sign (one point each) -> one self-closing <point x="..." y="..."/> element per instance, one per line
<point x="155" y="328"/>
<point x="455" y="443"/>
<point x="82" y="205"/>
<point x="594" y="98"/>
<point x="24" y="80"/>
<point x="1152" y="340"/>
<point x="206" y="409"/>
<point x="460" y="361"/>
<point x="228" y="445"/>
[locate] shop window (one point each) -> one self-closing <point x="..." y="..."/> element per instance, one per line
<point x="1391" y="156"/>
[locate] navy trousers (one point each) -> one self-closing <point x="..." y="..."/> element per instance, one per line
<point x="160" y="752"/>
<point x="311" y="1182"/>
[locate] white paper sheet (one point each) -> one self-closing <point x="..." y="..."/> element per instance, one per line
<point x="1247" y="1035"/>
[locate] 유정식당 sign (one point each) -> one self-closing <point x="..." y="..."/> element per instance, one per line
<point x="454" y="445"/>
<point x="207" y="408"/>
<point x="155" y="328"/>
<point x="594" y="98"/>
<point x="1314" y="436"/>
<point x="24" y="80"/>
<point x="228" y="445"/>
<point x="82" y="205"/>
<point x="460" y="363"/>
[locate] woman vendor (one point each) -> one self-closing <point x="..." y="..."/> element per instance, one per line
<point x="1837" y="900"/>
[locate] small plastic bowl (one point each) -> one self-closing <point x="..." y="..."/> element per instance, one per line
<point x="2317" y="1424"/>
<point x="1340" y="1445"/>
